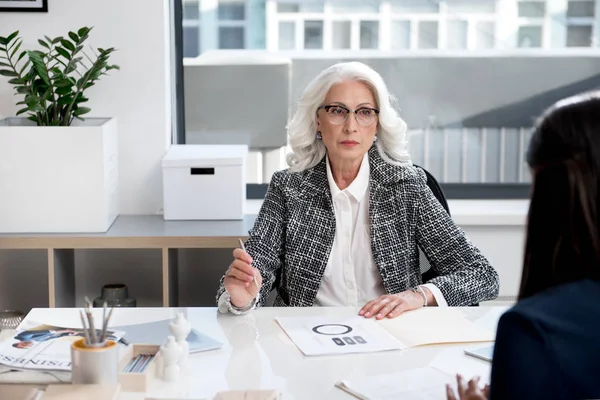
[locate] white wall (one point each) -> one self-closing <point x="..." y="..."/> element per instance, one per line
<point x="138" y="95"/>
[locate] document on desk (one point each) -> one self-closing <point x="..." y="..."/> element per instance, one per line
<point x="415" y="384"/>
<point x="435" y="325"/>
<point x="39" y="346"/>
<point x="316" y="336"/>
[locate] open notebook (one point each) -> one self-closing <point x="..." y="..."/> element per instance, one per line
<point x="435" y="325"/>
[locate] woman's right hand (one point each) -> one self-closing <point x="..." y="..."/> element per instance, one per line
<point x="239" y="281"/>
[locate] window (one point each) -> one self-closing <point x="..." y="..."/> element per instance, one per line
<point x="530" y="36"/>
<point x="313" y="35"/>
<point x="581" y="9"/>
<point x="287" y="35"/>
<point x="469" y="116"/>
<point x="191" y="29"/>
<point x="341" y="35"/>
<point x="428" y="35"/>
<point x="581" y="17"/>
<point x="400" y="37"/>
<point x="532" y="9"/>
<point x="369" y="34"/>
<point x="456" y="34"/>
<point x="579" y="36"/>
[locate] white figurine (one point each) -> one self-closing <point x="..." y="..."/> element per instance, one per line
<point x="170" y="353"/>
<point x="180" y="328"/>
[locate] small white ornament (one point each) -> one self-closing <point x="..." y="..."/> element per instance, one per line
<point x="171" y="353"/>
<point x="180" y="328"/>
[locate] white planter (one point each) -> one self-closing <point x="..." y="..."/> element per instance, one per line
<point x="58" y="179"/>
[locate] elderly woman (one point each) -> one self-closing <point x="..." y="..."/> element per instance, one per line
<point x="344" y="224"/>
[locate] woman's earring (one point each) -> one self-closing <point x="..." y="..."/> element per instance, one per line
<point x="374" y="138"/>
<point x="319" y="137"/>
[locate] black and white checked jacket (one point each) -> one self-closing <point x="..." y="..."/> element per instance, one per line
<point x="294" y="231"/>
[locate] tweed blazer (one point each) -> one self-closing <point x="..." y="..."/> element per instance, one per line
<point x="292" y="237"/>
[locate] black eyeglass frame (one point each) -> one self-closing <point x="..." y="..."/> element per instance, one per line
<point x="326" y="108"/>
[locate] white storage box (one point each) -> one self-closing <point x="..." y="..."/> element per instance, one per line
<point x="204" y="182"/>
<point x="57" y="179"/>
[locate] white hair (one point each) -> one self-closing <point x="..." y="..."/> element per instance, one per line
<point x="307" y="151"/>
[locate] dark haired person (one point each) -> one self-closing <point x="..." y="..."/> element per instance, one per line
<point x="547" y="345"/>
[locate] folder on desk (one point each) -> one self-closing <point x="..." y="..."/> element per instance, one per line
<point x="156" y="333"/>
<point x="435" y="325"/>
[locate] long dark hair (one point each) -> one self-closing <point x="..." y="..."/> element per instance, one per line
<point x="563" y="234"/>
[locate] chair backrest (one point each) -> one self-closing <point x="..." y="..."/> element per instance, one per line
<point x="426" y="271"/>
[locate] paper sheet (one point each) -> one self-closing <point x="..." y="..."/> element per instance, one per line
<point x="454" y="361"/>
<point x="417" y="384"/>
<point x="435" y="325"/>
<point x="316" y="336"/>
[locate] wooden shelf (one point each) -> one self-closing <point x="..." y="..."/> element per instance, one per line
<point x="128" y="232"/>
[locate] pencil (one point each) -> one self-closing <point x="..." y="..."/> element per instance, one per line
<point x="253" y="276"/>
<point x="92" y="328"/>
<point x="85" y="331"/>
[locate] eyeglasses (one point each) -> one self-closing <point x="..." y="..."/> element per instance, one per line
<point x="338" y="115"/>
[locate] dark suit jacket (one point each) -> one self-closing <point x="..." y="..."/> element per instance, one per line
<point x="294" y="231"/>
<point x="548" y="346"/>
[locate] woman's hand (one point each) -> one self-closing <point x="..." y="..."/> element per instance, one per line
<point x="392" y="305"/>
<point x="239" y="281"/>
<point x="468" y="391"/>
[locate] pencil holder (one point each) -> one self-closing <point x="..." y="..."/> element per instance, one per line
<point x="94" y="365"/>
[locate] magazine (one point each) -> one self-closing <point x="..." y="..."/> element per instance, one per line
<point x="43" y="347"/>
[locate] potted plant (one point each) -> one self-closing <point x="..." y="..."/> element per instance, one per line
<point x="58" y="169"/>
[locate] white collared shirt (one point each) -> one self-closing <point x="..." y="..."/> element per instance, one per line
<point x="351" y="277"/>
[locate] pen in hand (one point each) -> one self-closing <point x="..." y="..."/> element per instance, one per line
<point x="253" y="276"/>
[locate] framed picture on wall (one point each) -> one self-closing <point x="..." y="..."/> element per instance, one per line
<point x="24" y="5"/>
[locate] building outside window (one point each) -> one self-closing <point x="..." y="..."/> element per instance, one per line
<point x="484" y="145"/>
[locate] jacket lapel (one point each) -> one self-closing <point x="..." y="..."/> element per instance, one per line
<point x="387" y="209"/>
<point x="316" y="197"/>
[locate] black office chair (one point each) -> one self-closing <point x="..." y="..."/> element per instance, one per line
<point x="427" y="272"/>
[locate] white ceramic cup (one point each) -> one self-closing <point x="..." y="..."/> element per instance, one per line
<point x="94" y="365"/>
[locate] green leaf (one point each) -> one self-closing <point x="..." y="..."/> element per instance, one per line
<point x="11" y="37"/>
<point x="16" y="49"/>
<point x="15" y="81"/>
<point x="5" y="72"/>
<point x="63" y="52"/>
<point x="22" y="90"/>
<point x="46" y="45"/>
<point x="64" y="90"/>
<point x="88" y="85"/>
<point x="81" y="99"/>
<point x="21" y="55"/>
<point x="63" y="83"/>
<point x="3" y="64"/>
<point x="113" y="67"/>
<point x="63" y="101"/>
<point x="68" y="45"/>
<point x="81" y="111"/>
<point x="3" y="41"/>
<point x="22" y="110"/>
<point x="74" y="37"/>
<point x="83" y="31"/>
<point x="21" y="103"/>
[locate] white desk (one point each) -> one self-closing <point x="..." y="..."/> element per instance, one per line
<point x="258" y="354"/>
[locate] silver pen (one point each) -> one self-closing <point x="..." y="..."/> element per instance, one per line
<point x="253" y="276"/>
